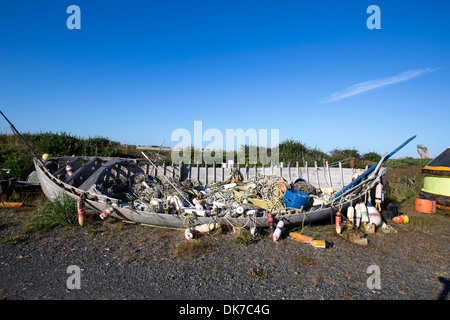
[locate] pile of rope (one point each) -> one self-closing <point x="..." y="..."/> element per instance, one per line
<point x="264" y="192"/>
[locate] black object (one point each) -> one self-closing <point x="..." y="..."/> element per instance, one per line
<point x="390" y="212"/>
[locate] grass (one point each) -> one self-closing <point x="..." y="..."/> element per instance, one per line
<point x="190" y="248"/>
<point x="5" y="223"/>
<point x="60" y="213"/>
<point x="399" y="190"/>
<point x="257" y="273"/>
<point x="245" y="240"/>
<point x="11" y="241"/>
<point x="305" y="261"/>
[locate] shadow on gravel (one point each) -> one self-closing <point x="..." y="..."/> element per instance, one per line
<point x="446" y="282"/>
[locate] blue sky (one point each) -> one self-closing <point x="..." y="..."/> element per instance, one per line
<point x="138" y="70"/>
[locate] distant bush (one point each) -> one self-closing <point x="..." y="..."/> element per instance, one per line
<point x="60" y="144"/>
<point x="64" y="144"/>
<point x="407" y="162"/>
<point x="292" y="151"/>
<point x="345" y="153"/>
<point x="371" y="156"/>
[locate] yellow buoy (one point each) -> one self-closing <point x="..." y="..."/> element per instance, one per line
<point x="319" y="243"/>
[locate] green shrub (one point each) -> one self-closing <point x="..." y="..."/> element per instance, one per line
<point x="60" y="144"/>
<point x="19" y="162"/>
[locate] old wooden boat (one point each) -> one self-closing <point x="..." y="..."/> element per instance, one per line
<point x="89" y="173"/>
<point x="86" y="179"/>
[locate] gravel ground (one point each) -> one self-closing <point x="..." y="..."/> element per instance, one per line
<point x="133" y="262"/>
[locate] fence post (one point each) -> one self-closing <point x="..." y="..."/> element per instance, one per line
<point x="317" y="174"/>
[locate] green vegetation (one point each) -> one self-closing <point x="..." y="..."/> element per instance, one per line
<point x="404" y="184"/>
<point x="190" y="249"/>
<point x="407" y="162"/>
<point x="245" y="240"/>
<point x="15" y="156"/>
<point x="60" y="213"/>
<point x="12" y="241"/>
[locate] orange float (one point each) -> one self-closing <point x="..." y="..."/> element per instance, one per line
<point x="300" y="237"/>
<point x="81" y="211"/>
<point x="425" y="206"/>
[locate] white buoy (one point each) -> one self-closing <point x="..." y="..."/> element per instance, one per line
<point x="278" y="229"/>
<point x="188" y="234"/>
<point x="364" y="216"/>
<point x="351" y="215"/>
<point x="374" y="215"/>
<point x="357" y="215"/>
<point x="205" y="228"/>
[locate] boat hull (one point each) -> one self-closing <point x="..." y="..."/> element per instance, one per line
<point x="53" y="187"/>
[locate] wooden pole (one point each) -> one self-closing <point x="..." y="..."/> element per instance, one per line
<point x="329" y="175"/>
<point x="307" y="173"/>
<point x="317" y="174"/>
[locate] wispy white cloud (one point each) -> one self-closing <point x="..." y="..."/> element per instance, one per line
<point x="377" y="83"/>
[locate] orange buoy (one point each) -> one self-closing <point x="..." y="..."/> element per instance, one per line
<point x="425" y="206"/>
<point x="338" y="221"/>
<point x="271" y="224"/>
<point x="300" y="237"/>
<point x="401" y="219"/>
<point x="283" y="186"/>
<point x="81" y="211"/>
<point x="11" y="204"/>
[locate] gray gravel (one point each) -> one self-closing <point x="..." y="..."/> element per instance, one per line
<point x="131" y="262"/>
